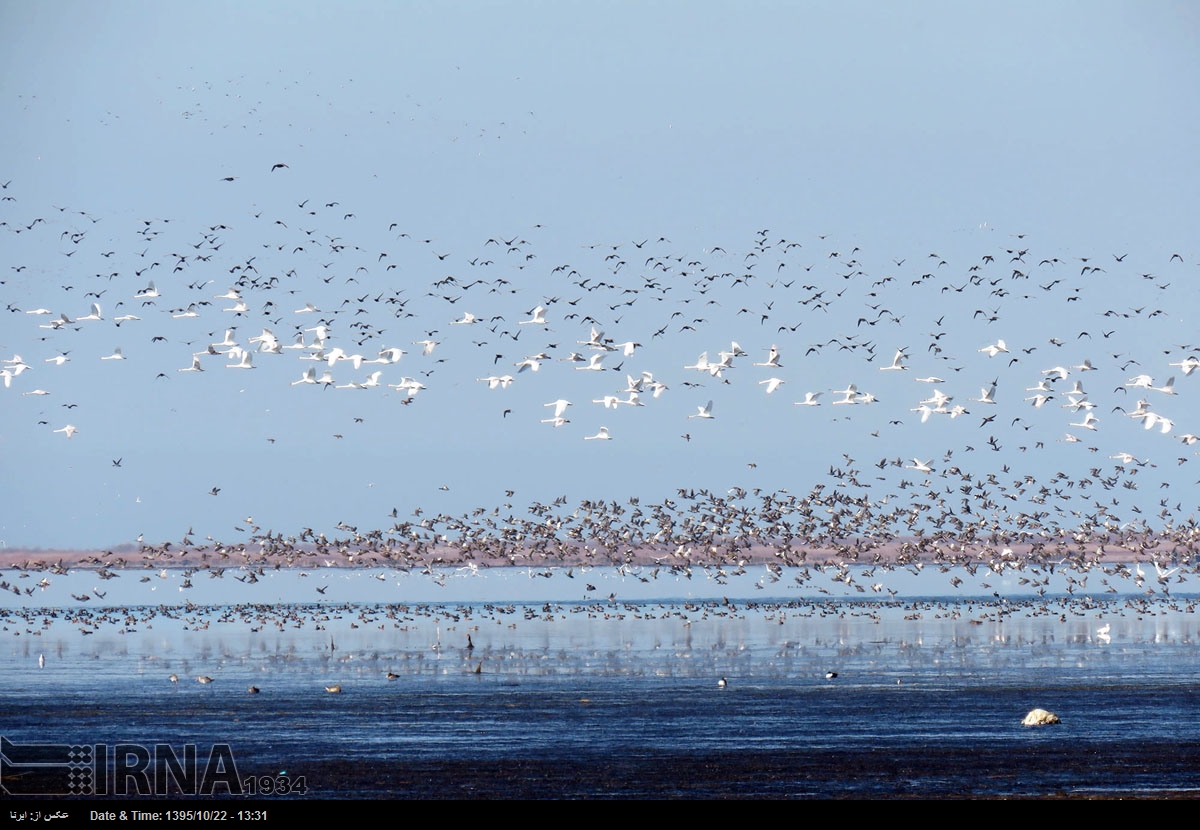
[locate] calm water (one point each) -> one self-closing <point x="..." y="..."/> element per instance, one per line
<point x="621" y="698"/>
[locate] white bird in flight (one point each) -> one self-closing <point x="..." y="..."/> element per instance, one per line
<point x="896" y="364"/>
<point x="95" y="315"/>
<point x="538" y="319"/>
<point x="388" y="356"/>
<point x="407" y="385"/>
<point x="987" y="395"/>
<point x="195" y="367"/>
<point x="1167" y="388"/>
<point x="1188" y="364"/>
<point x="529" y="363"/>
<point x="1089" y="421"/>
<point x="1153" y="419"/>
<point x="593" y="364"/>
<point x="772" y="358"/>
<point x="850" y="392"/>
<point x="998" y="348"/>
<point x="245" y="361"/>
<point x="560" y="406"/>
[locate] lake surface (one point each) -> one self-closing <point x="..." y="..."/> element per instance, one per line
<point x="620" y="698"/>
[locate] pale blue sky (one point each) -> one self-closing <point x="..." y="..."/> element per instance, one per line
<point x="898" y="129"/>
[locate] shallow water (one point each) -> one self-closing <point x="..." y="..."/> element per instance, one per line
<point x="620" y="698"/>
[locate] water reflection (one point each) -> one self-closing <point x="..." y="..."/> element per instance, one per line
<point x="511" y="666"/>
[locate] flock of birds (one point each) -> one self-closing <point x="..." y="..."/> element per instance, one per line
<point x="443" y="626"/>
<point x="504" y="337"/>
